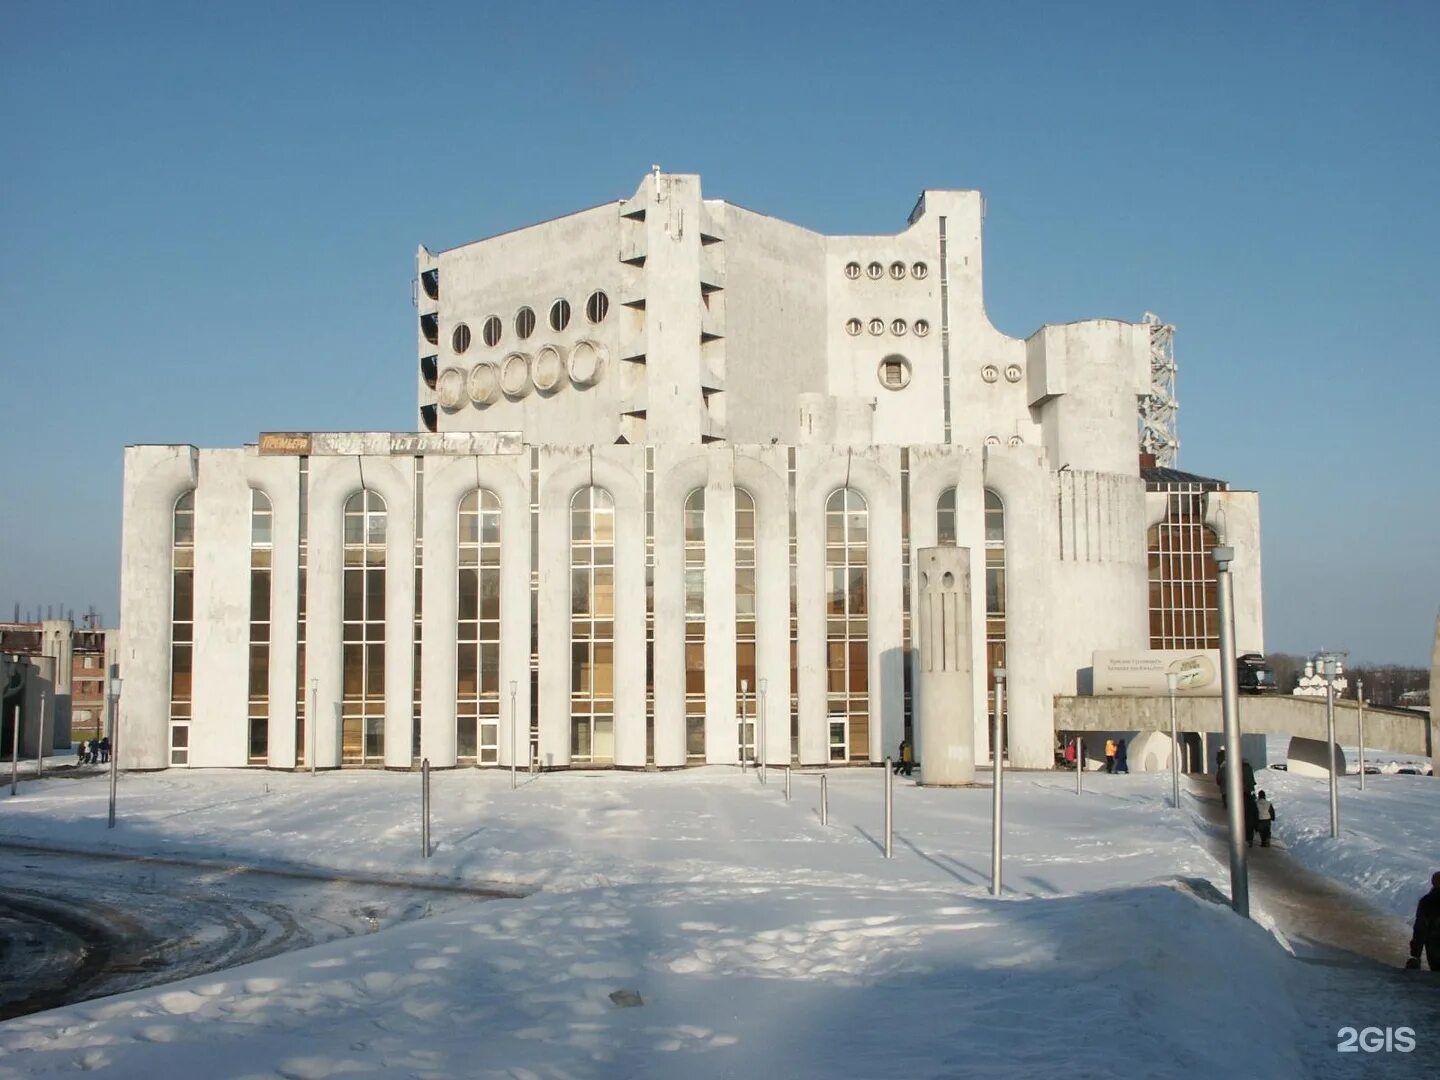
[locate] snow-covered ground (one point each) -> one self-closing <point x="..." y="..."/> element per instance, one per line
<point x="760" y="941"/>
<point x="1389" y="841"/>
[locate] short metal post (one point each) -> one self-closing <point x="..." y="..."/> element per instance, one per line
<point x="15" y="751"/>
<point x="425" y="807"/>
<point x="889" y="806"/>
<point x="744" y="709"/>
<point x="1172" y="680"/>
<point x="1330" y="746"/>
<point x="824" y="799"/>
<point x="997" y="783"/>
<point x="1360" y="722"/>
<point x="1079" y="761"/>
<point x="513" y="689"/>
<point x="114" y="688"/>
<point x="763" y="779"/>
<point x="40" y="750"/>
<point x="787" y="783"/>
<point x="313" y="720"/>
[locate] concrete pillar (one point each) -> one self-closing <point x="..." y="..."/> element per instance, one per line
<point x="945" y="732"/>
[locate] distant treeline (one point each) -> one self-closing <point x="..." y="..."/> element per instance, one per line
<point x="1384" y="683"/>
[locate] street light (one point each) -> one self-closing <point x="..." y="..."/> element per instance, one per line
<point x="114" y="743"/>
<point x="1330" y="671"/>
<point x="744" y="703"/>
<point x="1360" y="723"/>
<point x="1230" y="702"/>
<point x="514" y="686"/>
<point x="1172" y="682"/>
<point x="997" y="797"/>
<point x="314" y="718"/>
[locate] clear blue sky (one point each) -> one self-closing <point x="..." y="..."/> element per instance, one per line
<point x="208" y="215"/>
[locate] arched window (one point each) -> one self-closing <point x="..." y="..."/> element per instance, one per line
<point x="695" y="626"/>
<point x="182" y="625"/>
<point x="847" y="633"/>
<point x="745" y="619"/>
<point x="363" y="706"/>
<point x="477" y="633"/>
<point x="592" y="626"/>
<point x="1183" y="606"/>
<point x="945" y="532"/>
<point x="261" y="543"/>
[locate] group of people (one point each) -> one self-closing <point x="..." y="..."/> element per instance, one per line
<point x="1259" y="810"/>
<point x="1117" y="758"/>
<point x="95" y="751"/>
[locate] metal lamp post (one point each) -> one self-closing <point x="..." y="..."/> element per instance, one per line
<point x="15" y="752"/>
<point x="114" y="744"/>
<point x="1330" y="667"/>
<point x="40" y="749"/>
<point x="1230" y="700"/>
<point x="744" y="709"/>
<point x="762" y="731"/>
<point x="1360" y="724"/>
<point x="514" y="687"/>
<point x="314" y="719"/>
<point x="1172" y="683"/>
<point x="997" y="786"/>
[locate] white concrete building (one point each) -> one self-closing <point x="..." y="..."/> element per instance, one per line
<point x="675" y="458"/>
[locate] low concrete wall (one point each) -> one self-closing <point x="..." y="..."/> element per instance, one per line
<point x="1271" y="714"/>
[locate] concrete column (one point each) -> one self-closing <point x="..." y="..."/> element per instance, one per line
<point x="945" y="728"/>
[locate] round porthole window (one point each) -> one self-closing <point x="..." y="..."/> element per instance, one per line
<point x="853" y="326"/>
<point x="875" y="271"/>
<point x="921" y="327"/>
<point x="1013" y="373"/>
<point x="898" y="327"/>
<point x="460" y="339"/>
<point x="897" y="270"/>
<point x="1015" y="440"/>
<point x="450" y="389"/>
<point x="992" y="440"/>
<point x="586" y="363"/>
<point x="524" y="323"/>
<point x="515" y="375"/>
<point x="919" y="270"/>
<point x="492" y="331"/>
<point x="597" y="307"/>
<point x="852" y="270"/>
<point x="559" y="315"/>
<point x="989" y="373"/>
<point x="877" y="326"/>
<point x="894" y="372"/>
<point x="484" y="383"/>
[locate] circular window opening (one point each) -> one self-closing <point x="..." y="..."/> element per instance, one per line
<point x="492" y="331"/>
<point x="559" y="315"/>
<point x="853" y="326"/>
<point x="852" y="270"/>
<point x="597" y="307"/>
<point x="897" y="270"/>
<point x="989" y="373"/>
<point x="898" y="328"/>
<point x="992" y="440"/>
<point x="1015" y="440"/>
<point x="894" y="372"/>
<point x="1013" y="373"/>
<point x="877" y="326"/>
<point x="524" y="323"/>
<point x="947" y="579"/>
<point x="875" y="270"/>
<point x="460" y="339"/>
<point x="922" y="327"/>
<point x="919" y="270"/>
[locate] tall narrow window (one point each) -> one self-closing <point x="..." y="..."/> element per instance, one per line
<point x="947" y="531"/>
<point x="847" y="633"/>
<point x="182" y="625"/>
<point x="592" y="626"/>
<point x="362" y="739"/>
<point x="477" y="634"/>
<point x="261" y="545"/>
<point x="745" y="616"/>
<point x="695" y="626"/>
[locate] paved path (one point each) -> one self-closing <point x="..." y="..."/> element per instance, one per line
<point x="1352" y="957"/>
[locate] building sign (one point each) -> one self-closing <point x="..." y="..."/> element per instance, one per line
<point x="284" y="442"/>
<point x="1143" y="673"/>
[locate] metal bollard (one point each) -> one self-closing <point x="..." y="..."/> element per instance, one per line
<point x="889" y="806"/>
<point x="997" y="785"/>
<point x="787" y="783"/>
<point x="1079" y="762"/>
<point x="824" y="799"/>
<point x="425" y="807"/>
<point x="15" y="753"/>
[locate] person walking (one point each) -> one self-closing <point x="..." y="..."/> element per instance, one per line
<point x="1110" y="755"/>
<point x="906" y="764"/>
<point x="105" y="750"/>
<point x="1122" y="757"/>
<point x="1426" y="936"/>
<point x="1265" y="816"/>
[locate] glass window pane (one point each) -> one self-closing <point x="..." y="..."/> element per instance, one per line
<point x="604" y="591"/>
<point x="354" y="659"/>
<point x="490" y="596"/>
<point x="579" y="592"/>
<point x="604" y="669"/>
<point x="468" y="604"/>
<point x="184" y="599"/>
<point x="857" y="593"/>
<point x="694" y="592"/>
<point x="466" y="671"/>
<point x="375" y="672"/>
<point x="580" y="667"/>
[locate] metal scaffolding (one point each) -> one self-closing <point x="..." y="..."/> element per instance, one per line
<point x="1158" y="408"/>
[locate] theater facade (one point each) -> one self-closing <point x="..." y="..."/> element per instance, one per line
<point x="672" y="463"/>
